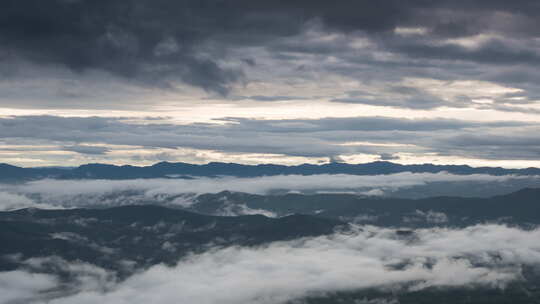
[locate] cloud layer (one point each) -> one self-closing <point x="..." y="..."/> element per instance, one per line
<point x="195" y="42"/>
<point x="80" y="193"/>
<point x="94" y="139"/>
<point x="480" y="256"/>
<point x="131" y="55"/>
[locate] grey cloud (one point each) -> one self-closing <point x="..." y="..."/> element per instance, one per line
<point x="158" y="157"/>
<point x="408" y="98"/>
<point x="522" y="145"/>
<point x="311" y="138"/>
<point x="158" y="42"/>
<point x="369" y="123"/>
<point x="116" y="36"/>
<point x="495" y="52"/>
<point x="269" y="98"/>
<point x="387" y="156"/>
<point x="163" y="42"/>
<point x="85" y="149"/>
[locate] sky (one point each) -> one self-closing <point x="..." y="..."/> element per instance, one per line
<point x="139" y="82"/>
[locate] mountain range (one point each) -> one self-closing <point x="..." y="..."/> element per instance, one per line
<point x="185" y="170"/>
<point x="143" y="235"/>
<point x="517" y="208"/>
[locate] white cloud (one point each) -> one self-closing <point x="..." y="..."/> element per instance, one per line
<point x="289" y="270"/>
<point x="229" y="209"/>
<point x="21" y="285"/>
<point x="429" y="216"/>
<point x="47" y="194"/>
<point x="12" y="201"/>
<point x="407" y="31"/>
<point x="74" y="193"/>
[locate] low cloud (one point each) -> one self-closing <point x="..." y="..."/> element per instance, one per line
<point x="12" y="201"/>
<point x="19" y="286"/>
<point x="429" y="217"/>
<point x="480" y="256"/>
<point x="78" y="193"/>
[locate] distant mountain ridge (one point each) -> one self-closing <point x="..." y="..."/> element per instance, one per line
<point x="517" y="208"/>
<point x="185" y="170"/>
<point x="145" y="235"/>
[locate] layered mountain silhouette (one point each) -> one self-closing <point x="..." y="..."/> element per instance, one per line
<point x="129" y="239"/>
<point x="520" y="208"/>
<point x="185" y="170"/>
<point x="143" y="235"/>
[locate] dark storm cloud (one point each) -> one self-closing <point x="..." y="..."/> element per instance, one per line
<point x="494" y="52"/>
<point x="153" y="41"/>
<point x="160" y="42"/>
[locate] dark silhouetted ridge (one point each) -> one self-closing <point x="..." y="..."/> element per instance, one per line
<point x="185" y="170"/>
